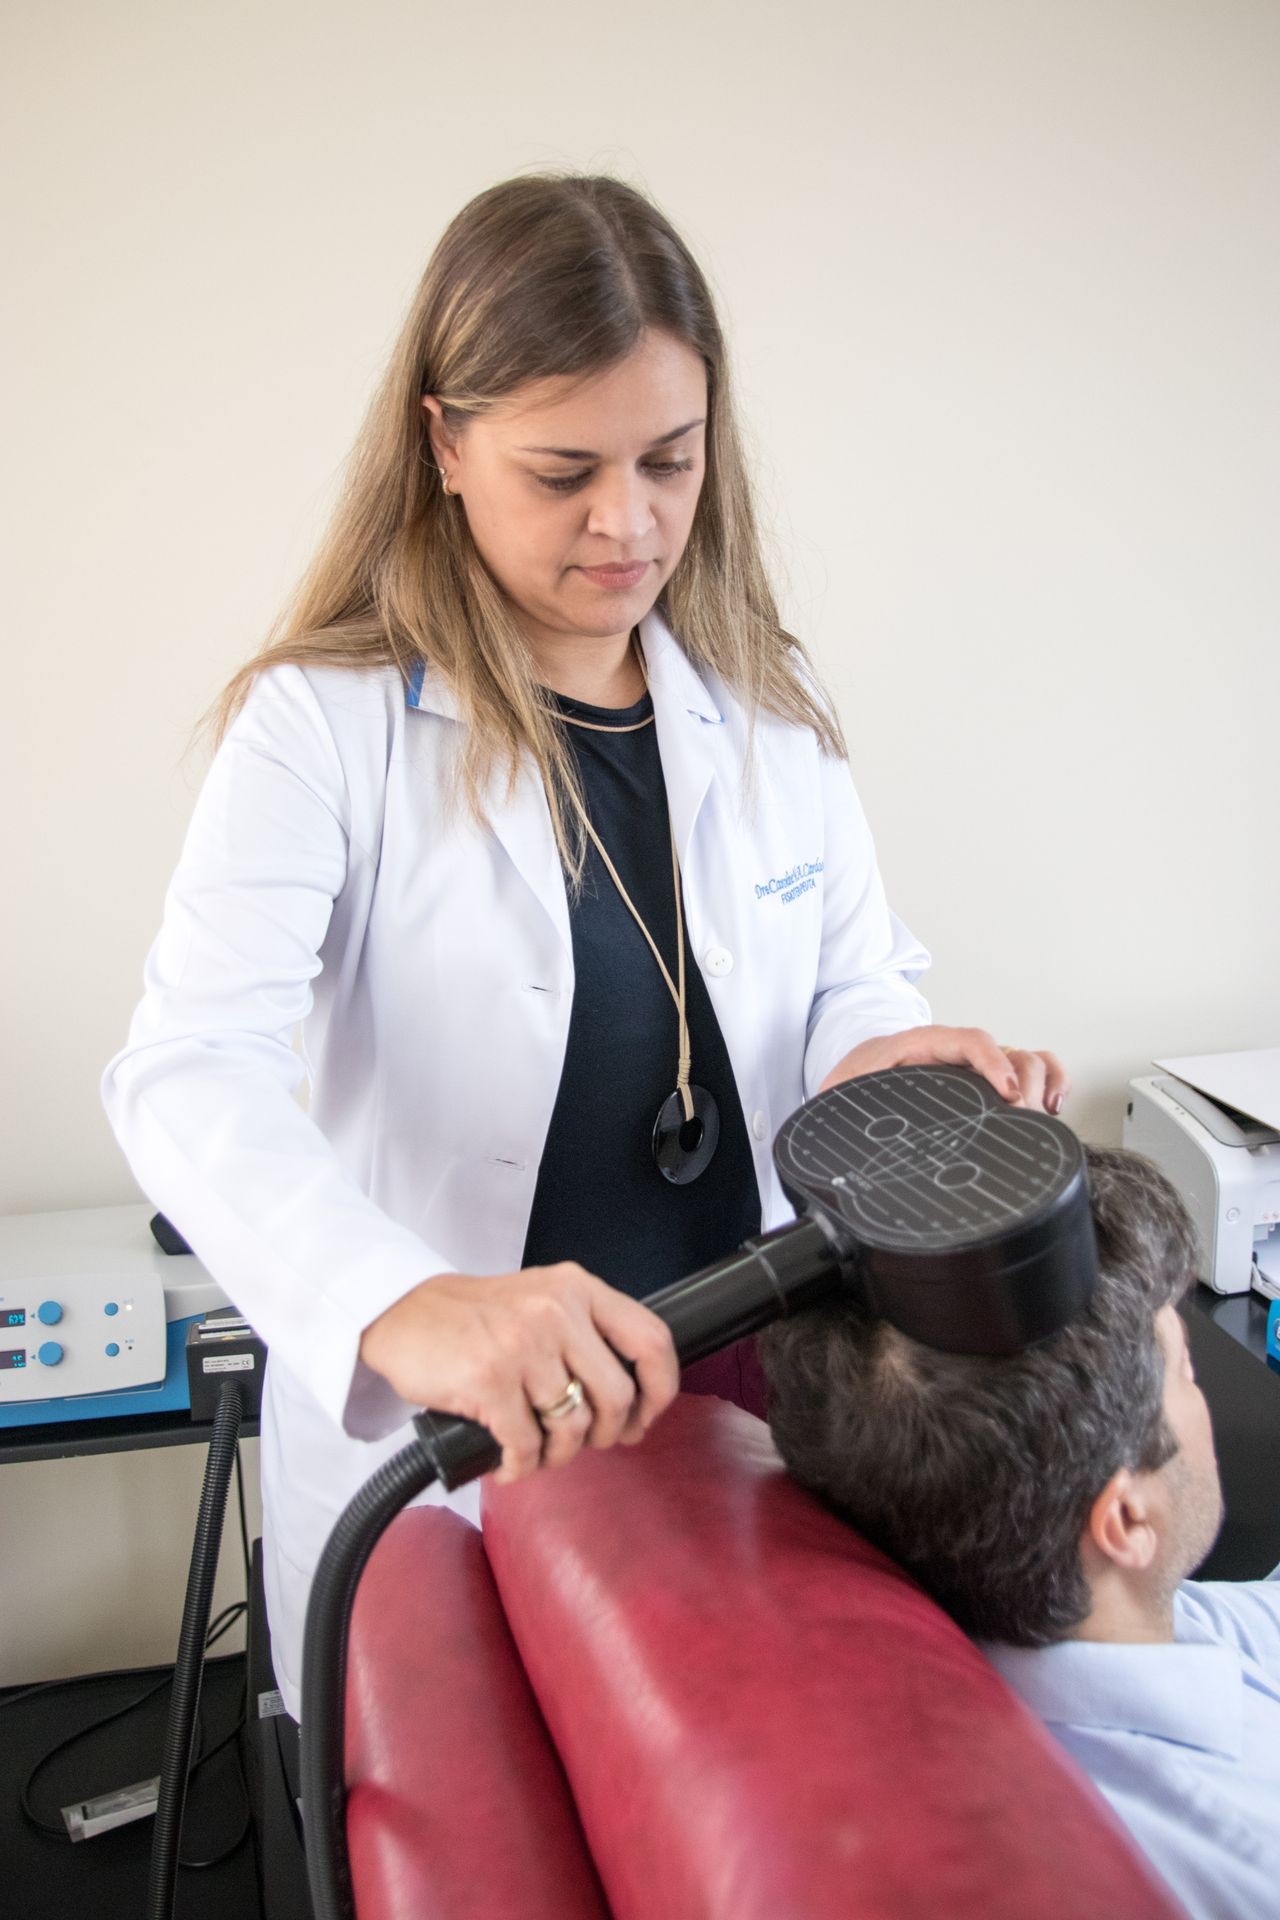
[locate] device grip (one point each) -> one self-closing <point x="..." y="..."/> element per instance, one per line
<point x="459" y="1450"/>
<point x="769" y="1276"/>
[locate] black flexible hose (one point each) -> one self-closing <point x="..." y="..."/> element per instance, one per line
<point x="324" y="1665"/>
<point x="189" y="1666"/>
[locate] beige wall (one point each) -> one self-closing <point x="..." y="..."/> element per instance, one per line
<point x="1002" y="283"/>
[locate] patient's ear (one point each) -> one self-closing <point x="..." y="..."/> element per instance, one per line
<point x="1123" y="1525"/>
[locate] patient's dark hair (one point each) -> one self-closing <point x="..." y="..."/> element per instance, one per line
<point x="977" y="1475"/>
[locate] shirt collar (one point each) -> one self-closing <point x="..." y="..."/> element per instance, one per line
<point x="672" y="678"/>
<point x="1189" y="1691"/>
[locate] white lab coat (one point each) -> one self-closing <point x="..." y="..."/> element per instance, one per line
<point x="330" y="879"/>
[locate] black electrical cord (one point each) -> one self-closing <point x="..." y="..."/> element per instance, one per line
<point x="188" y="1668"/>
<point x="233" y="1734"/>
<point x="229" y="1616"/>
<point x="115" y="1673"/>
<point x="221" y="1625"/>
<point x="244" y="1524"/>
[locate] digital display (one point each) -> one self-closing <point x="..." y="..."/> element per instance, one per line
<point x="15" y="1317"/>
<point x="15" y="1357"/>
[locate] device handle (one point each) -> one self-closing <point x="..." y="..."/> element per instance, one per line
<point x="769" y="1276"/>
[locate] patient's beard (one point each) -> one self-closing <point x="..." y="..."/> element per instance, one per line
<point x="1197" y="1509"/>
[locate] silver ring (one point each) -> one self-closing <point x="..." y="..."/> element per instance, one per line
<point x="569" y="1402"/>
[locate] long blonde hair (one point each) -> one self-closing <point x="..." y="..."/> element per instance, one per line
<point x="543" y="275"/>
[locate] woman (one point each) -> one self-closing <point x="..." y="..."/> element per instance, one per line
<point x="538" y="823"/>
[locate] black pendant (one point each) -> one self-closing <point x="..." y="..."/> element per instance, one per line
<point x="683" y="1148"/>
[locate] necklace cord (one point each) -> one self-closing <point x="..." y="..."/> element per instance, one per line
<point x="677" y="993"/>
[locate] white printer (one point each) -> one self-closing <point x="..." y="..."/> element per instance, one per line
<point x="1211" y="1122"/>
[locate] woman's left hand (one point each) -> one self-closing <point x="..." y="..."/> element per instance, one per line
<point x="1025" y="1079"/>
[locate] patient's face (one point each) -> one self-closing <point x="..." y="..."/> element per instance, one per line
<point x="1195" y="1491"/>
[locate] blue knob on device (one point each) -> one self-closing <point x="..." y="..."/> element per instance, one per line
<point x="50" y="1354"/>
<point x="48" y="1313"/>
<point x="112" y="1349"/>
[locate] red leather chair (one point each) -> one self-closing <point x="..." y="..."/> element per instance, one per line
<point x="667" y="1685"/>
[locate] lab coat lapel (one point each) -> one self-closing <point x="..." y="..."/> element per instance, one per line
<point x="522" y="822"/>
<point x="689" y="725"/>
<point x="520" y="819"/>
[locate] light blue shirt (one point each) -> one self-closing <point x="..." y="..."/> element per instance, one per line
<point x="1183" y="1739"/>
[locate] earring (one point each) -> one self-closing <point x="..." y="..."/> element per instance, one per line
<point x="444" y="481"/>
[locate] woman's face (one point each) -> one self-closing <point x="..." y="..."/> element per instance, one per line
<point x="566" y="475"/>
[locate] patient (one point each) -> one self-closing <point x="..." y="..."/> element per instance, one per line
<point x="1055" y="1503"/>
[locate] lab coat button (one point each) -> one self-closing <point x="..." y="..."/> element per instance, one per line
<point x="759" y="1126"/>
<point x="717" y="961"/>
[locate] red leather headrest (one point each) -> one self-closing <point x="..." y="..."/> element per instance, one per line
<point x="457" y="1804"/>
<point x="762" y="1719"/>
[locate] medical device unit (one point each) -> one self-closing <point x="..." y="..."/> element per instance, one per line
<point x="94" y="1316"/>
<point x="961" y="1221"/>
<point x="1224" y="1162"/>
<point x="105" y="1313"/>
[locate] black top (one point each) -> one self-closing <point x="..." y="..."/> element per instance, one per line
<point x="600" y="1198"/>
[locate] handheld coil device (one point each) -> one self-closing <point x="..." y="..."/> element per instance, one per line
<point x="962" y="1221"/>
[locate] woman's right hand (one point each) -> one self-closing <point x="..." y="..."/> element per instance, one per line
<point x="492" y="1348"/>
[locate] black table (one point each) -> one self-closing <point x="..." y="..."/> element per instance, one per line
<point x="1227" y="1334"/>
